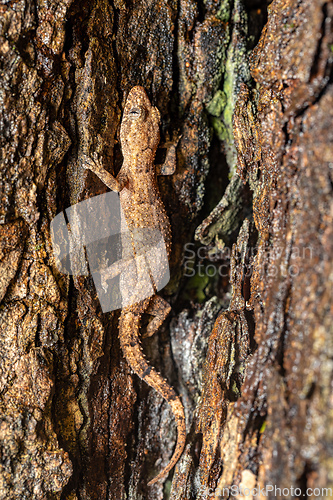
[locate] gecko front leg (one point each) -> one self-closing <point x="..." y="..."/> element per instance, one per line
<point x="94" y="164"/>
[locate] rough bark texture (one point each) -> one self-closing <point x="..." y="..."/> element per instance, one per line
<point x="248" y="345"/>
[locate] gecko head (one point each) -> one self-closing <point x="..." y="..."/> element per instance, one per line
<point x="140" y="123"/>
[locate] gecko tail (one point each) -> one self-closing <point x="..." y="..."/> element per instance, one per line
<point x="130" y="344"/>
<point x="178" y="412"/>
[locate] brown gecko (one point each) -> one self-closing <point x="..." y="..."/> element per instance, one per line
<point x="144" y="211"/>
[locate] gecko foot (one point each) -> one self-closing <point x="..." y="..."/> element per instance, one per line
<point x="159" y="308"/>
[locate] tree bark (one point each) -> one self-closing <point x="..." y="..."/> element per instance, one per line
<point x="247" y="86"/>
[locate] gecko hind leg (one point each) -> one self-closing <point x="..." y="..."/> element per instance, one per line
<point x="159" y="308"/>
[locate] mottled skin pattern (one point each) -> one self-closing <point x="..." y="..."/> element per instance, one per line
<point x="143" y="208"/>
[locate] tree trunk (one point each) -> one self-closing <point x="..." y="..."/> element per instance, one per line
<point x="248" y="346"/>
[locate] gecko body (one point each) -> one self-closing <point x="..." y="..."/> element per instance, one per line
<point x="144" y="211"/>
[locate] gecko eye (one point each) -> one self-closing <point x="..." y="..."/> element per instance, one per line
<point x="136" y="112"/>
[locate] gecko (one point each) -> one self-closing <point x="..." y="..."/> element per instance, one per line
<point x="143" y="210"/>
